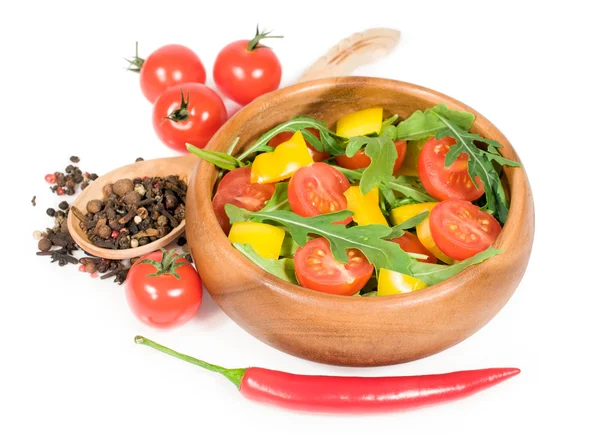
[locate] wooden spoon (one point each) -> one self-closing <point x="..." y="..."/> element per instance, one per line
<point x="348" y="54"/>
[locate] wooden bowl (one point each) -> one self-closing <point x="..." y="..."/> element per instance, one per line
<point x="353" y="331"/>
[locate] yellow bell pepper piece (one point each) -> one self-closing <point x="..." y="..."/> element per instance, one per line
<point x="283" y="162"/>
<point x="405" y="212"/>
<point x="410" y="165"/>
<point x="265" y="239"/>
<point x="363" y="122"/>
<point x="391" y="283"/>
<point x="365" y="208"/>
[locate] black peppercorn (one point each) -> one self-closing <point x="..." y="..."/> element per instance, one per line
<point x="69" y="169"/>
<point x="93" y="176"/>
<point x="70" y="191"/>
<point x="60" y="214"/>
<point x="143" y="241"/>
<point x="63" y="205"/>
<point x="181" y="241"/>
<point x="74" y="159"/>
<point x="51" y="212"/>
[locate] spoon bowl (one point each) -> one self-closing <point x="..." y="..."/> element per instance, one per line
<point x="181" y="166"/>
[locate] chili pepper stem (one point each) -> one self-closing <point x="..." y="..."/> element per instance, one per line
<point x="234" y="375"/>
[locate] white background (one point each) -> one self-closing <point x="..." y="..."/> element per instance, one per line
<point x="68" y="363"/>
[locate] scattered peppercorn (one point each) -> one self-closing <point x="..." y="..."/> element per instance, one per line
<point x="181" y="241"/>
<point x="139" y="159"/>
<point x="51" y="212"/>
<point x="44" y="245"/>
<point x="33" y="200"/>
<point x="67" y="182"/>
<point x="74" y="159"/>
<point x="63" y="205"/>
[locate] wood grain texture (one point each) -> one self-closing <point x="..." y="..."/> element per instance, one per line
<point x="181" y="166"/>
<point x="342" y="330"/>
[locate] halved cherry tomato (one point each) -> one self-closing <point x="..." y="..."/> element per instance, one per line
<point x="235" y="188"/>
<point x="317" y="269"/>
<point x="285" y="136"/>
<point x="361" y="160"/>
<point x="461" y="230"/>
<point x="410" y="243"/>
<point x="444" y="182"/>
<point x="318" y="189"/>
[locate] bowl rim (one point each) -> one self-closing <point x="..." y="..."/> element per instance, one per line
<point x="517" y="192"/>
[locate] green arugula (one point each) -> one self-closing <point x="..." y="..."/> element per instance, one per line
<point x="279" y="200"/>
<point x="398" y="230"/>
<point x="433" y="273"/>
<point x="369" y="239"/>
<point x="282" y="268"/>
<point x="329" y="141"/>
<point x="383" y="154"/>
<point x="408" y="186"/>
<point x="421" y="125"/>
<point x="236" y="214"/>
<point x="219" y="159"/>
<point x="480" y="164"/>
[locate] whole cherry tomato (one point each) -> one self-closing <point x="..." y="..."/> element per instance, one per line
<point x="247" y="69"/>
<point x="167" y="66"/>
<point x="191" y="113"/>
<point x="163" y="289"/>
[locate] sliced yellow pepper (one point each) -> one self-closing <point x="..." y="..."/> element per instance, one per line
<point x="365" y="208"/>
<point x="363" y="122"/>
<point x="410" y="165"/>
<point x="283" y="162"/>
<point x="265" y="239"/>
<point x="391" y="283"/>
<point x="405" y="212"/>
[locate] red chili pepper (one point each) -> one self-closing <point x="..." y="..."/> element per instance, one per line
<point x="343" y="394"/>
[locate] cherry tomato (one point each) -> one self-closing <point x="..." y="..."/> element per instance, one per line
<point x="461" y="230"/>
<point x="285" y="136"/>
<point x="317" y="269"/>
<point x="410" y="243"/>
<point x="318" y="189"/>
<point x="245" y="70"/>
<point x="170" y="65"/>
<point x="235" y="188"/>
<point x="361" y="160"/>
<point x="191" y="113"/>
<point x="444" y="182"/>
<point x="157" y="296"/>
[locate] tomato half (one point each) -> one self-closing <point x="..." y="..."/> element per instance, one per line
<point x="235" y="188"/>
<point x="163" y="301"/>
<point x="243" y="75"/>
<point x="285" y="136"/>
<point x="444" y="182"/>
<point x="410" y="243"/>
<point x="461" y="230"/>
<point x="191" y="113"/>
<point x="361" y="160"/>
<point x="169" y="66"/>
<point x="318" y="189"/>
<point x="317" y="269"/>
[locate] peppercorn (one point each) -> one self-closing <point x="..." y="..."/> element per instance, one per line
<point x="60" y="214"/>
<point x="93" y="176"/>
<point x="181" y="241"/>
<point x="142" y="213"/>
<point x="162" y="220"/>
<point x="51" y="212"/>
<point x="122" y="187"/>
<point x="85" y="185"/>
<point x="69" y="169"/>
<point x="74" y="159"/>
<point x="37" y="235"/>
<point x="134" y="229"/>
<point x="44" y="245"/>
<point x="131" y="198"/>
<point x="104" y="231"/>
<point x="63" y="205"/>
<point x="94" y="206"/>
<point x="107" y="190"/>
<point x="139" y="159"/>
<point x="90" y="267"/>
<point x="143" y="241"/>
<point x="134" y="243"/>
<point x="140" y="189"/>
<point x="123" y="242"/>
<point x="78" y="178"/>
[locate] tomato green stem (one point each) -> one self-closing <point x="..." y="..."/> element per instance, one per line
<point x="234" y="375"/>
<point x="253" y="44"/>
<point x="168" y="264"/>
<point x="182" y="113"/>
<point x="135" y="63"/>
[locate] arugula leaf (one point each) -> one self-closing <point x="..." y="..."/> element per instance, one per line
<point x="433" y="273"/>
<point x="279" y="200"/>
<point x="406" y="185"/>
<point x="289" y="247"/>
<point x="282" y="268"/>
<point x="422" y="125"/>
<point x="369" y="239"/>
<point x="219" y="159"/>
<point x="383" y="154"/>
<point x="398" y="230"/>
<point x="329" y="141"/>
<point x="236" y="214"/>
<point x="480" y="164"/>
<point x="351" y="175"/>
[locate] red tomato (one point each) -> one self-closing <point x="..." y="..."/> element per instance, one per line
<point x="191" y="113"/>
<point x="163" y="301"/>
<point x="235" y="188"/>
<point x="285" y="136"/>
<point x="168" y="66"/>
<point x="318" y="189"/>
<point x="444" y="182"/>
<point x="317" y="269"/>
<point x="461" y="230"/>
<point x="361" y="160"/>
<point x="410" y="243"/>
<point x="245" y="70"/>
